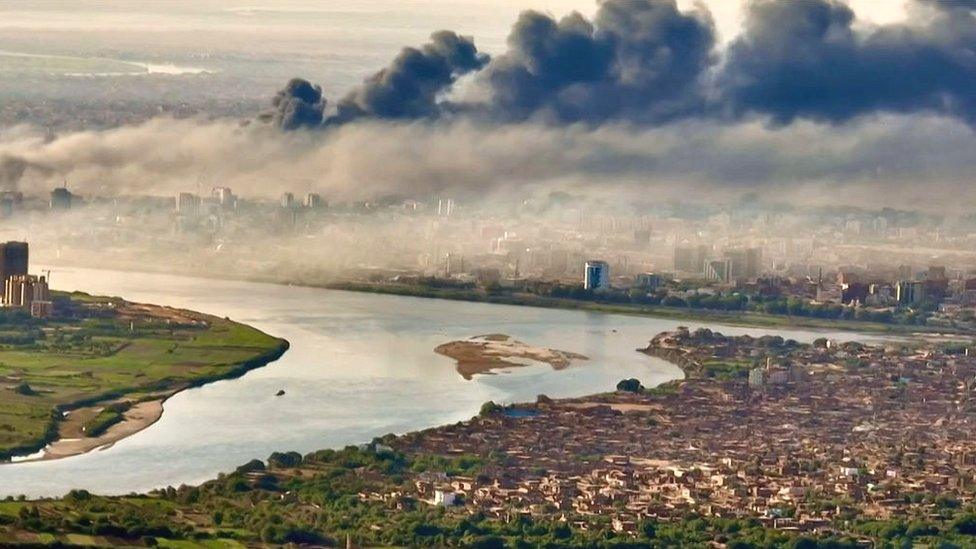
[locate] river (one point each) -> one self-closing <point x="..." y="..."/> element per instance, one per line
<point x="360" y="366"/>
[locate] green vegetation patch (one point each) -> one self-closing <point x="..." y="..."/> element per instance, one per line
<point x="102" y="353"/>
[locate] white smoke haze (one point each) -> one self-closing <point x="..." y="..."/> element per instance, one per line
<point x="886" y="159"/>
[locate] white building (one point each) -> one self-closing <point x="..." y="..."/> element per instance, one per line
<point x="444" y="498"/>
<point x="596" y="275"/>
<point x="224" y="196"/>
<point x="445" y="207"/>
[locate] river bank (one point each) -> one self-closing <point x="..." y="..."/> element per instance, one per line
<point x="108" y="379"/>
<point x="609" y="469"/>
<point x="360" y="366"/>
<point x="730" y="318"/>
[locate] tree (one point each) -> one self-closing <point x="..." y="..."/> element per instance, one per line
<point x="285" y="460"/>
<point x="965" y="524"/>
<point x="489" y="408"/>
<point x="630" y="386"/>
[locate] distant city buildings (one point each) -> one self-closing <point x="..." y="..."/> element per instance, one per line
<point x="10" y="202"/>
<point x="187" y="204"/>
<point x="14" y="260"/>
<point x="690" y="259"/>
<point x="61" y="199"/>
<point x="224" y="197"/>
<point x="313" y="201"/>
<point x="445" y="207"/>
<point x="288" y="201"/>
<point x="596" y="275"/>
<point x="28" y="292"/>
<point x="21" y="290"/>
<point x="745" y="264"/>
<point x="718" y="270"/>
<point x="910" y="292"/>
<point x="648" y="281"/>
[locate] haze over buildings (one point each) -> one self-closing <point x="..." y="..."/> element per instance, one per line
<point x="457" y="142"/>
<point x="499" y="113"/>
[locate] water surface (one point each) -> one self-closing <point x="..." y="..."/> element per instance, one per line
<point x="360" y="366"/>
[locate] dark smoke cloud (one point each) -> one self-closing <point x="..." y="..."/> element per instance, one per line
<point x="646" y="62"/>
<point x="640" y="60"/>
<point x="299" y="105"/>
<point x="410" y="87"/>
<point x="804" y="59"/>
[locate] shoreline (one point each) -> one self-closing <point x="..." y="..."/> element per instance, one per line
<point x="144" y="413"/>
<point x="744" y="319"/>
<point x="139" y="418"/>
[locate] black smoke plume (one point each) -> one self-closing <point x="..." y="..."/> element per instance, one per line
<point x="804" y="59"/>
<point x="638" y="60"/>
<point x="299" y="105"/>
<point x="646" y="62"/>
<point x="410" y="87"/>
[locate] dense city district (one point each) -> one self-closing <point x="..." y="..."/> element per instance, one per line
<point x="799" y="437"/>
<point x="765" y="443"/>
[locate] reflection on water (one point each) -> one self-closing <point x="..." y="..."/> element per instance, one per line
<point x="360" y="366"/>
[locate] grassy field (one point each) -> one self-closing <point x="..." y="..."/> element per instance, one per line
<point x="130" y="355"/>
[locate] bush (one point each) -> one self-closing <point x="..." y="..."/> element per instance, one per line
<point x="285" y="460"/>
<point x="965" y="524"/>
<point x="251" y="466"/>
<point x="489" y="408"/>
<point x="630" y="386"/>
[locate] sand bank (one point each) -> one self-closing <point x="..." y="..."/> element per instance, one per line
<point x="482" y="354"/>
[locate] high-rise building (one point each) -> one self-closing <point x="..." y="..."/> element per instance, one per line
<point x="287" y="201"/>
<point x="445" y="207"/>
<point x="13" y="260"/>
<point x="187" y="204"/>
<point x="719" y="270"/>
<point x="596" y="275"/>
<point x="754" y="266"/>
<point x="313" y="201"/>
<point x="23" y="290"/>
<point x="745" y="263"/>
<point x="690" y="259"/>
<point x="10" y="202"/>
<point x="910" y="292"/>
<point x="648" y="281"/>
<point x="224" y="197"/>
<point x="61" y="199"/>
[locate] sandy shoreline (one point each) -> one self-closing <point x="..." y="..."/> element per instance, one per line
<point x="483" y="354"/>
<point x="71" y="440"/>
<point x="137" y="418"/>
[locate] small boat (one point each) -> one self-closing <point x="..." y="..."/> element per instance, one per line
<point x="280" y="393"/>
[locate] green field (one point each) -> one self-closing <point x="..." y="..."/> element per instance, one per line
<point x="49" y="366"/>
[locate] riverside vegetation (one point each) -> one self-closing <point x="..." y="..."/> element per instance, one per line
<point x="728" y="308"/>
<point x="317" y="500"/>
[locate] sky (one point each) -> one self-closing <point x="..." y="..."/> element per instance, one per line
<point x="486" y="20"/>
<point x="814" y="102"/>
